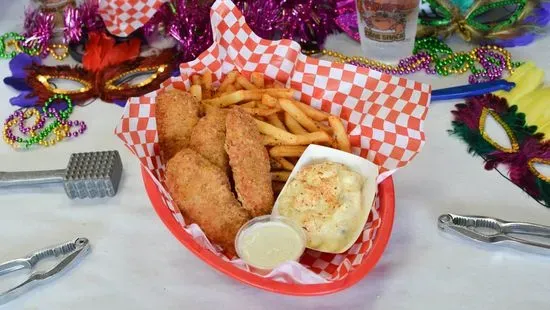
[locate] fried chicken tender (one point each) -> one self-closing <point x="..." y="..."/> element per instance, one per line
<point x="177" y="112"/>
<point x="249" y="163"/>
<point x="202" y="192"/>
<point x="208" y="137"/>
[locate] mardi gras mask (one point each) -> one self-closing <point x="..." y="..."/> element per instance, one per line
<point x="498" y="21"/>
<point x="504" y="22"/>
<point x="109" y="72"/>
<point x="512" y="131"/>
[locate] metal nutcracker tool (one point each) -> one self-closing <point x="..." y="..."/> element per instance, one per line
<point x="527" y="236"/>
<point x="88" y="175"/>
<point x="72" y="252"/>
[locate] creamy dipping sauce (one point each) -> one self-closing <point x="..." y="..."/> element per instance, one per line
<point x="266" y="245"/>
<point x="325" y="199"/>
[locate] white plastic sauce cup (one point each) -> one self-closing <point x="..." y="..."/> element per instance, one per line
<point x="266" y="242"/>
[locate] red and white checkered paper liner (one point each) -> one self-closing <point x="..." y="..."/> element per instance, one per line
<point x="384" y="117"/>
<point x="122" y="17"/>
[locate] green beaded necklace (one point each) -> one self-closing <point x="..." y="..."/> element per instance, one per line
<point x="15" y="39"/>
<point x="435" y="57"/>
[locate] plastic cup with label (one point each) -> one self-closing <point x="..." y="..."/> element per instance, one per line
<point x="387" y="28"/>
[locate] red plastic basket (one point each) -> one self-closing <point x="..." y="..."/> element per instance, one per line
<point x="386" y="208"/>
<point x="384" y="117"/>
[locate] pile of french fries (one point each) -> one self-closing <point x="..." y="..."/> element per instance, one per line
<point x="287" y="126"/>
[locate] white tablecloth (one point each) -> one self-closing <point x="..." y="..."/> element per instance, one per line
<point x="137" y="264"/>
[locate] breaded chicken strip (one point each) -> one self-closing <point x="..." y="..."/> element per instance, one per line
<point x="177" y="112"/>
<point x="208" y="137"/>
<point x="249" y="163"/>
<point x="201" y="191"/>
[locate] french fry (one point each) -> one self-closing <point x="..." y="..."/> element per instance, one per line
<point x="286" y="93"/>
<point x="298" y="115"/>
<point x="237" y="86"/>
<point x="326" y="128"/>
<point x="281" y="176"/>
<point x="318" y="137"/>
<point x="257" y="79"/>
<point x="340" y="134"/>
<point x="234" y="97"/>
<point x="247" y="95"/>
<point x="277" y="133"/>
<point x="277" y="84"/>
<point x="270" y="101"/>
<point x="207" y="85"/>
<point x="196" y="91"/>
<point x="196" y="79"/>
<point x="260" y="111"/>
<point x="270" y="141"/>
<point x="283" y="163"/>
<point x="287" y="151"/>
<point x="207" y="80"/>
<point x="334" y="145"/>
<point x="230" y="88"/>
<point x="275" y="165"/>
<point x="229" y="79"/>
<point x="263" y="106"/>
<point x="312" y="112"/>
<point x="292" y="125"/>
<point x="241" y="80"/>
<point x="250" y="104"/>
<point x="276" y="121"/>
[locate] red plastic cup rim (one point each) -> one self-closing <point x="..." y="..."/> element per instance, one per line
<point x="386" y="209"/>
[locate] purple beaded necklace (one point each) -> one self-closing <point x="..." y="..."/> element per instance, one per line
<point x="436" y="58"/>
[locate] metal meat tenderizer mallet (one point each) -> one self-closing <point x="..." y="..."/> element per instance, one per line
<point x="88" y="175"/>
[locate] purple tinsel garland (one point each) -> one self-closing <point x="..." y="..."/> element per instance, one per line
<point x="73" y="25"/>
<point x="81" y="20"/>
<point x="188" y="23"/>
<point x="38" y="29"/>
<point x="38" y="26"/>
<point x="308" y="22"/>
<point x="263" y="17"/>
<point x="89" y="10"/>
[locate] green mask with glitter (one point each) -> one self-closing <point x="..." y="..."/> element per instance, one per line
<point x="481" y="21"/>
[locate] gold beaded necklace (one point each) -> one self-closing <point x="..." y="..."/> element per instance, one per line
<point x="435" y="57"/>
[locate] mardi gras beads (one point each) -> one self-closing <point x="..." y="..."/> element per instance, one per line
<point x="68" y="124"/>
<point x="435" y="57"/>
<point x="39" y="132"/>
<point x="406" y="66"/>
<point x="16" y="41"/>
<point x="52" y="49"/>
<point x="33" y="136"/>
<point x="39" y="121"/>
<point x="65" y="113"/>
<point x="9" y="37"/>
<point x="19" y="45"/>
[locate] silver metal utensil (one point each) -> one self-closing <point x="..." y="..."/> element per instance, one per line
<point x="72" y="251"/>
<point x="492" y="230"/>
<point x="88" y="175"/>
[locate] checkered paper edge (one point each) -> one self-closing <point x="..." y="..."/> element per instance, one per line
<point x="342" y="90"/>
<point x="122" y="17"/>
